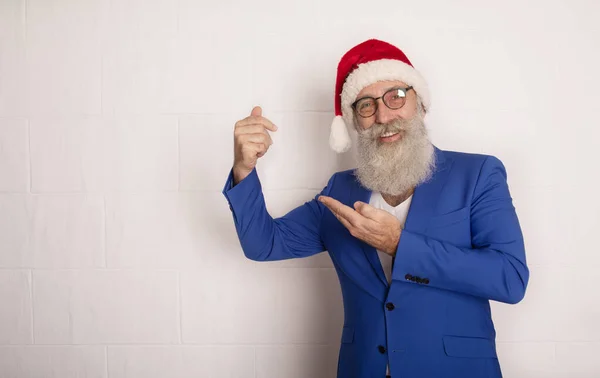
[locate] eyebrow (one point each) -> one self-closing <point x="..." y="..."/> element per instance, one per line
<point x="388" y="89"/>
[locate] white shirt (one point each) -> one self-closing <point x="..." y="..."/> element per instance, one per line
<point x="400" y="212"/>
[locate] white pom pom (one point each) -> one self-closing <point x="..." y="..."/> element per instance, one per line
<point x="339" y="139"/>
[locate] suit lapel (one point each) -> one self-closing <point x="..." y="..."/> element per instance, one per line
<point x="422" y="207"/>
<point x="426" y="195"/>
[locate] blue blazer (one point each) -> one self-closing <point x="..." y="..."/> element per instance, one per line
<point x="462" y="246"/>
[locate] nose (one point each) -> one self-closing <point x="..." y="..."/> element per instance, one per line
<point x="384" y="114"/>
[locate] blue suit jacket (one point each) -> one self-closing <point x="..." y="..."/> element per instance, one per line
<point x="461" y="247"/>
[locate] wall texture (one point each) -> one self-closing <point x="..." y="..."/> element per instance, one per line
<point x="118" y="255"/>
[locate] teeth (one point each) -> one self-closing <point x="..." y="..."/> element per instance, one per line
<point x="389" y="133"/>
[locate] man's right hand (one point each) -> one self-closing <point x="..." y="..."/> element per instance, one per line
<point x="251" y="141"/>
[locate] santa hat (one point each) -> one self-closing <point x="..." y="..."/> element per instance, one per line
<point x="363" y="65"/>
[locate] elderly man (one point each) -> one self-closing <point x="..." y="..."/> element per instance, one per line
<point x="421" y="239"/>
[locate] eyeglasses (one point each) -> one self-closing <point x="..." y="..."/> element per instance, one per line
<point x="394" y="98"/>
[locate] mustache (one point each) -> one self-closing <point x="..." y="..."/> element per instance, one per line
<point x="378" y="129"/>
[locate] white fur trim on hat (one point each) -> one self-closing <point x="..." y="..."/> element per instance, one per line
<point x="380" y="70"/>
<point x="339" y="139"/>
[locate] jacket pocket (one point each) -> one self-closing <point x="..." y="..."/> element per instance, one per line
<point x="449" y="218"/>
<point x="347" y="335"/>
<point x="469" y="347"/>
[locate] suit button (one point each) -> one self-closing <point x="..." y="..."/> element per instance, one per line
<point x="419" y="280"/>
<point x="426" y="281"/>
<point x="408" y="277"/>
<point x="381" y="349"/>
<point x="390" y="306"/>
<point x="413" y="279"/>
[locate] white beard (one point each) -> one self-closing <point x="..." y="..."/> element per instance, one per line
<point x="397" y="167"/>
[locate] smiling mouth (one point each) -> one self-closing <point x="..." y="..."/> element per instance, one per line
<point x="390" y="136"/>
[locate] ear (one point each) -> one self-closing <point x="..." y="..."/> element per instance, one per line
<point x="421" y="107"/>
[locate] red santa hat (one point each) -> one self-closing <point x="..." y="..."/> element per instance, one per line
<point x="364" y="64"/>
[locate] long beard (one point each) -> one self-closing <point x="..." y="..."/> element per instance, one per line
<point x="396" y="167"/>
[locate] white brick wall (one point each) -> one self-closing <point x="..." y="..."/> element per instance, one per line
<point x="118" y="255"/>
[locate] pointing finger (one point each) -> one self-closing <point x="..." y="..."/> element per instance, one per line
<point x="339" y="209"/>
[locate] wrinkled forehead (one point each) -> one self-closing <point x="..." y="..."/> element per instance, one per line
<point x="378" y="88"/>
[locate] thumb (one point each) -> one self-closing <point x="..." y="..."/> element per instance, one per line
<point x="364" y="209"/>
<point x="256" y="112"/>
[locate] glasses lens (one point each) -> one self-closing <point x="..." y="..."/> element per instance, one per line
<point x="366" y="107"/>
<point x="395" y="98"/>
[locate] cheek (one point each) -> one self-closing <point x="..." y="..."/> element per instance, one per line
<point x="409" y="111"/>
<point x="364" y="123"/>
<point x="406" y="113"/>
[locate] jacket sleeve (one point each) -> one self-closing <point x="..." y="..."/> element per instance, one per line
<point x="494" y="268"/>
<point x="296" y="234"/>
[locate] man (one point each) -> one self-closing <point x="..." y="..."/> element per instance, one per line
<point x="421" y="239"/>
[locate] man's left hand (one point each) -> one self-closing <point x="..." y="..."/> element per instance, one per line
<point x="375" y="227"/>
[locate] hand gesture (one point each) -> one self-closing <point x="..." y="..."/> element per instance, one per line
<point x="251" y="141"/>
